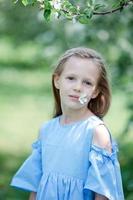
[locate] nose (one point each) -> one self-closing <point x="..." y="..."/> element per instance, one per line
<point x="78" y="86"/>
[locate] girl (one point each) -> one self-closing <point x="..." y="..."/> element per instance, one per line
<point x="74" y="157"/>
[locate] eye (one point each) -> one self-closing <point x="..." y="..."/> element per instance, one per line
<point x="70" y="77"/>
<point x="88" y="83"/>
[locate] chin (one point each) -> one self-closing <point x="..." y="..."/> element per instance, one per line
<point x="75" y="107"/>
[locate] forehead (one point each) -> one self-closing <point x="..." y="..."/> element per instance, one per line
<point x="83" y="67"/>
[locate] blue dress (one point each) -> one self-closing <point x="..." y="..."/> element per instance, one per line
<point x="65" y="165"/>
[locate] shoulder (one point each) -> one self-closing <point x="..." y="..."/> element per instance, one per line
<point x="47" y="125"/>
<point x="102" y="137"/>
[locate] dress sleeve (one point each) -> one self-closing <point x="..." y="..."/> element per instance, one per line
<point x="29" y="174"/>
<point x="104" y="175"/>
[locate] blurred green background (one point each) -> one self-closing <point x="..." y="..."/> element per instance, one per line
<point x="29" y="47"/>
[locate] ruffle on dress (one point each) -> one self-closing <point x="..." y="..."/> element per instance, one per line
<point x="104" y="173"/>
<point x="29" y="174"/>
<point x="58" y="186"/>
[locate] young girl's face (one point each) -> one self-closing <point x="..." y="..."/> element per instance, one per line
<point x="79" y="76"/>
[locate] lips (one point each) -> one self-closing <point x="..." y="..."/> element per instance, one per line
<point x="74" y="96"/>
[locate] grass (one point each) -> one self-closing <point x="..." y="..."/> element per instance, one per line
<point x="25" y="103"/>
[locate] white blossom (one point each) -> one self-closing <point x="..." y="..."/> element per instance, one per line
<point x="83" y="99"/>
<point x="56" y="14"/>
<point x="74" y="21"/>
<point x="56" y="4"/>
<point x="78" y="7"/>
<point x="40" y="1"/>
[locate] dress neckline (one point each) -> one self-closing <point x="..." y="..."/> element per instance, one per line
<point x="74" y="123"/>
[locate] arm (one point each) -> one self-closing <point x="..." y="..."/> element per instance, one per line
<point x="102" y="139"/>
<point x="100" y="197"/>
<point x="32" y="196"/>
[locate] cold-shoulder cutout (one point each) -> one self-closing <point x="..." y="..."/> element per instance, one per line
<point x="102" y="138"/>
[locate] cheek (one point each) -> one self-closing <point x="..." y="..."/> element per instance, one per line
<point x="89" y="90"/>
<point x="66" y="86"/>
<point x="90" y="93"/>
<point x="63" y="90"/>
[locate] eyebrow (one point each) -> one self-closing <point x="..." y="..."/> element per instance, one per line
<point x="70" y="74"/>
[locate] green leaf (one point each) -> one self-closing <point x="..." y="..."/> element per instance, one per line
<point x="47" y="10"/>
<point x="97" y="6"/>
<point x="67" y="5"/>
<point x="72" y="9"/>
<point x="28" y="2"/>
<point x="119" y="3"/>
<point x="47" y="4"/>
<point x="88" y="12"/>
<point x="47" y="14"/>
<point x="116" y="4"/>
<point x="69" y="17"/>
<point x="91" y="2"/>
<point x="83" y="19"/>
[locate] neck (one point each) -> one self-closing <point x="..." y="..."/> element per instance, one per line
<point x="70" y="116"/>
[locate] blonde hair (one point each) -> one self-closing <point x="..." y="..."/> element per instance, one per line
<point x="99" y="105"/>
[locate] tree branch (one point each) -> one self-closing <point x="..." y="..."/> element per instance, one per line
<point x="109" y="11"/>
<point x="114" y="10"/>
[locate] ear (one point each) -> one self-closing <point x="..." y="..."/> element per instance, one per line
<point x="56" y="81"/>
<point x="95" y="94"/>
